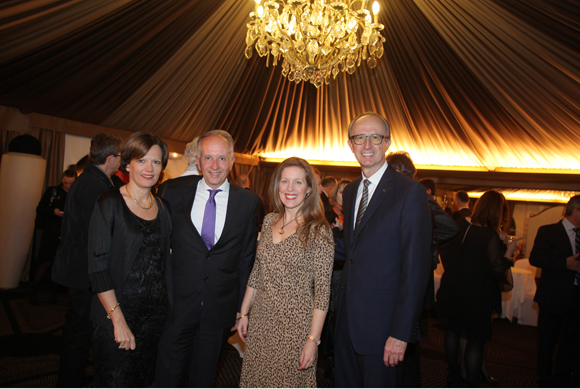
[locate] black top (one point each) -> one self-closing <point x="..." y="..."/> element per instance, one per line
<point x="70" y="267"/>
<point x="474" y="277"/>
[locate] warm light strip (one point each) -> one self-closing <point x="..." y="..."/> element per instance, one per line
<point x="536" y="170"/>
<point x="547" y="196"/>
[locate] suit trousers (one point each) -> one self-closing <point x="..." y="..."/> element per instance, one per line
<point x="188" y="355"/>
<point x="559" y="324"/>
<point x="76" y="339"/>
<point x="354" y="370"/>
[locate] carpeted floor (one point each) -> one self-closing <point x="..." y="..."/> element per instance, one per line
<point x="29" y="348"/>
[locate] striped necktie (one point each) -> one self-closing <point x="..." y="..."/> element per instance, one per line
<point x="364" y="202"/>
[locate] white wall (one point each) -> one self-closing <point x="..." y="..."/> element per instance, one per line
<point x="75" y="147"/>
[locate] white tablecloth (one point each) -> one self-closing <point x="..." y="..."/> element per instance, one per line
<point x="511" y="303"/>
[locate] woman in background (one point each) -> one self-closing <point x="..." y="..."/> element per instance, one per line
<point x="289" y="287"/>
<point x="128" y="249"/>
<point x="476" y="273"/>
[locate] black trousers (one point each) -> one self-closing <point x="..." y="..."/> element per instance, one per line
<point x="76" y="339"/>
<point x="354" y="370"/>
<point x="188" y="355"/>
<point x="559" y="324"/>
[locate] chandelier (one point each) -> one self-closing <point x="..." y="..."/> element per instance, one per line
<point x="317" y="39"/>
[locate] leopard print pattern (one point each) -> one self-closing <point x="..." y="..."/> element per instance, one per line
<point x="290" y="282"/>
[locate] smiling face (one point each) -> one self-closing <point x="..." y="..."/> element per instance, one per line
<point x="145" y="171"/>
<point x="370" y="157"/>
<point x="214" y="161"/>
<point x="293" y="187"/>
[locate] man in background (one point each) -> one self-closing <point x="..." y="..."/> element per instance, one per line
<point x="70" y="268"/>
<point x="461" y="204"/>
<point x="557" y="252"/>
<point x="191" y="153"/>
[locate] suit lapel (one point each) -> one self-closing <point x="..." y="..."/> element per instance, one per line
<point x="349" y="216"/>
<point x="233" y="204"/>
<point x="188" y="199"/>
<point x="379" y="194"/>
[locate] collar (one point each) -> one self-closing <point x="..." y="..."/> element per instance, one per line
<point x="203" y="186"/>
<point x="567" y="225"/>
<point x="376" y="178"/>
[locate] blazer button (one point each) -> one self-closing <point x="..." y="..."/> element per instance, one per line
<point x="351" y="261"/>
<point x="206" y="278"/>
<point x="207" y="256"/>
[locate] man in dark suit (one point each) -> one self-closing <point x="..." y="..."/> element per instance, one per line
<point x="71" y="264"/>
<point x="387" y="245"/>
<point x="213" y="246"/>
<point x="461" y="203"/>
<point x="556" y="251"/>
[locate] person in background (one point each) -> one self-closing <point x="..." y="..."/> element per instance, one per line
<point x="70" y="267"/>
<point x="128" y="250"/>
<point x="557" y="252"/>
<point x="328" y="213"/>
<point x="387" y="250"/>
<point x="191" y="153"/>
<point x="244" y="181"/>
<point x="49" y="219"/>
<point x="461" y="204"/>
<point x="213" y="248"/>
<point x="477" y="271"/>
<point x="327" y="346"/>
<point x="288" y="290"/>
<point x="328" y="184"/>
<point x="444" y="228"/>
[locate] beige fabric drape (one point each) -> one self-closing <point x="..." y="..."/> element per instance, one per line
<point x="488" y="83"/>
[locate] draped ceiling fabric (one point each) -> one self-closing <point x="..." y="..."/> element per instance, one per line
<point x="487" y="83"/>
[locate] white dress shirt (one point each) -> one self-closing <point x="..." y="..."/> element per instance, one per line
<point x="374" y="181"/>
<point x="221" y="202"/>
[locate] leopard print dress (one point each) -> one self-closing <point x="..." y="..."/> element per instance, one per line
<point x="290" y="283"/>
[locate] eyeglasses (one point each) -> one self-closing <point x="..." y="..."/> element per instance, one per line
<point x="376" y="139"/>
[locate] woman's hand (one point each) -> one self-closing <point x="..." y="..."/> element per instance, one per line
<point x="503" y="236"/>
<point x="243" y="328"/>
<point x="123" y="334"/>
<point x="308" y="355"/>
<point x="512" y="247"/>
<point x="337" y="223"/>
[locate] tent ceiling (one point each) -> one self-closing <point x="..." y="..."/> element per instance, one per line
<point x="490" y="83"/>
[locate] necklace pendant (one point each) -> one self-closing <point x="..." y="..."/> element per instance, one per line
<point x="281" y="231"/>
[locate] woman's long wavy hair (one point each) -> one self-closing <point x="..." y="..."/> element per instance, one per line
<point x="490" y="210"/>
<point x="312" y="211"/>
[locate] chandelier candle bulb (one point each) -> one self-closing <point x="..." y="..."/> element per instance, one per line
<point x="315" y="39"/>
<point x="376" y="8"/>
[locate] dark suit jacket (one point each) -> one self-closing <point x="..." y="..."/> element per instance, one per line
<point x="216" y="277"/>
<point x="551" y="248"/>
<point x="463" y="212"/>
<point x="388" y="261"/>
<point x="71" y="263"/>
<point x="114" y="242"/>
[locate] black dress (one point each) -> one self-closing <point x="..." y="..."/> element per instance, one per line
<point x="144" y="301"/>
<point x="474" y="277"/>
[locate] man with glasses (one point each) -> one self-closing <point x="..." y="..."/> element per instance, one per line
<point x="71" y="265"/>
<point x="387" y="246"/>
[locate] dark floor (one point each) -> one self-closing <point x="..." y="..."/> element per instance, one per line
<point x="29" y="348"/>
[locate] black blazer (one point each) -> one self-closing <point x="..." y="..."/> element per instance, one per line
<point x="216" y="277"/>
<point x="463" y="212"/>
<point x="388" y="261"/>
<point x="551" y="248"/>
<point x="70" y="267"/>
<point x="114" y="241"/>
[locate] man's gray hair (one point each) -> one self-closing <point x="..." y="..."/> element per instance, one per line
<point x="191" y="151"/>
<point x="387" y="128"/>
<point x="222" y="134"/>
<point x="573" y="203"/>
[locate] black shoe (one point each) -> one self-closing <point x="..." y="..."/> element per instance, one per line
<point x="489" y="380"/>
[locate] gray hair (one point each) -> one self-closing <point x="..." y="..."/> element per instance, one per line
<point x="191" y="151"/>
<point x="573" y="203"/>
<point x="387" y="128"/>
<point x="222" y="134"/>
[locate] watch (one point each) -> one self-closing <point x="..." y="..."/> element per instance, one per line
<point x="312" y="338"/>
